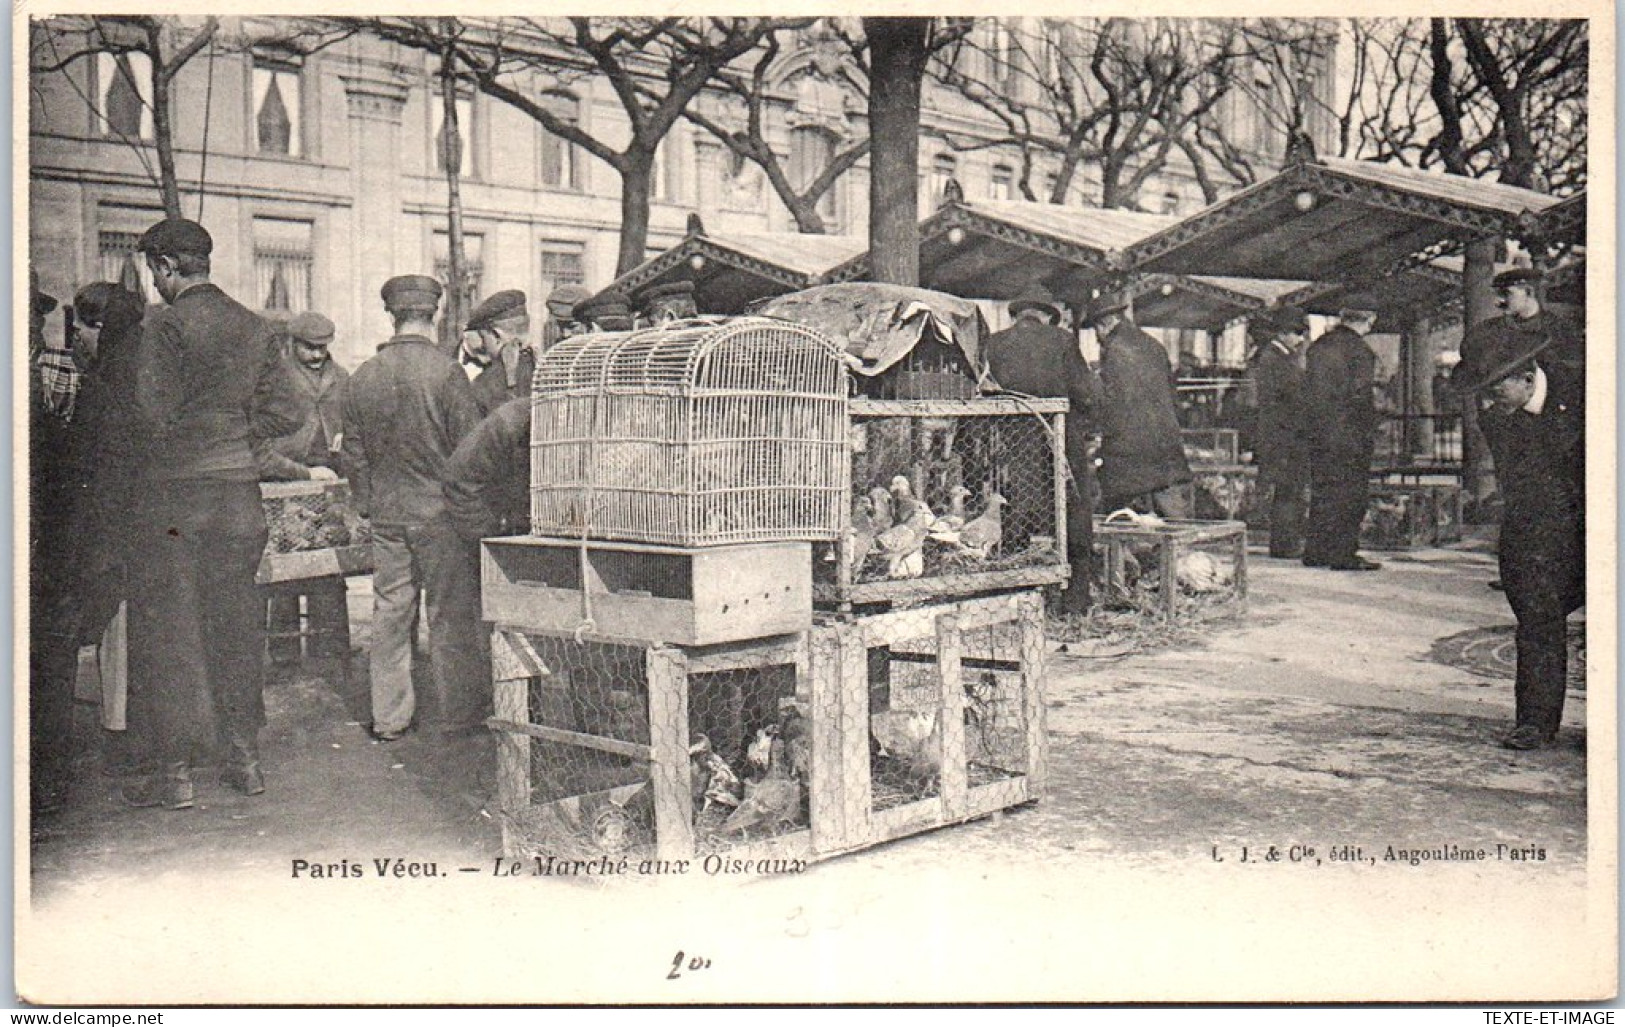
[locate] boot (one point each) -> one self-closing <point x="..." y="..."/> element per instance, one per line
<point x="242" y="769"/>
<point x="170" y="787"/>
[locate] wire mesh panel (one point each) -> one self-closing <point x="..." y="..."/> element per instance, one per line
<point x="950" y="498"/>
<point x="1171" y="569"/>
<point x="1407" y="516"/>
<point x="308" y="515"/>
<point x="695" y="433"/>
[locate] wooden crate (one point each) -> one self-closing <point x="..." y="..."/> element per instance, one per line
<point x="1013" y="448"/>
<point x="1211" y="447"/>
<point x="1409" y="516"/>
<point x="1221" y="493"/>
<point x="648" y="593"/>
<point x="1161" y="555"/>
<point x="583" y="774"/>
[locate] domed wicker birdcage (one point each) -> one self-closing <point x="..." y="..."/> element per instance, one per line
<point x="696" y="433"/>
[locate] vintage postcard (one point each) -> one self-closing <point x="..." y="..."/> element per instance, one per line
<point x="855" y="507"/>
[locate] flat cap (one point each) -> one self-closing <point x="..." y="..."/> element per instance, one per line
<point x="311" y="327"/>
<point x="174" y="237"/>
<point x="562" y="300"/>
<point x="1515" y="276"/>
<point x="497" y="307"/>
<point x="1503" y="352"/>
<point x="411" y="291"/>
<point x="606" y="304"/>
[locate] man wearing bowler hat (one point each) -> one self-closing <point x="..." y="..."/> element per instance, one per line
<point x="405" y="411"/>
<point x="1280" y="441"/>
<point x="1530" y="390"/>
<point x="503" y="325"/>
<point x="1037" y="357"/>
<point x="1339" y="375"/>
<point x="207" y="384"/>
<point x="316" y="383"/>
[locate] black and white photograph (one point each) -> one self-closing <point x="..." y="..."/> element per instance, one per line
<point x="676" y="508"/>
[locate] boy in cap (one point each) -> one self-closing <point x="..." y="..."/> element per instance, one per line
<point x="503" y="324"/>
<point x="207" y="385"/>
<point x="405" y="411"/>
<point x="1340" y="372"/>
<point x="561" y="319"/>
<point x="1530" y="392"/>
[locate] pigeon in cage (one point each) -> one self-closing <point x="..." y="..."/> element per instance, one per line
<point x="1200" y="573"/>
<point x="903" y="544"/>
<point x="911" y="743"/>
<point x="872" y="516"/>
<point x="711" y="781"/>
<point x="774" y="800"/>
<point x="981" y="537"/>
<point x="760" y="750"/>
<point x="947" y="527"/>
<point x="796" y="733"/>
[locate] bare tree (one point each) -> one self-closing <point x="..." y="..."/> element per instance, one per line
<point x="654" y="66"/>
<point x="1120" y="95"/>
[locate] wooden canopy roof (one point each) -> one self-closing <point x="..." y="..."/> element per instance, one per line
<point x="732" y="271"/>
<point x="1334" y="220"/>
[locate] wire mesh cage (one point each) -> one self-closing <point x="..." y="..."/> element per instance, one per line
<point x="857" y="731"/>
<point x="309" y="515"/>
<point x="1406" y="516"/>
<point x="1171" y="569"/>
<point x="949" y="497"/>
<point x="1211" y="447"/>
<point x="695" y="433"/>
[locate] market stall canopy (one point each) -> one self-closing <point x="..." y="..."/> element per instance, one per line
<point x="732" y="271"/>
<point x="881" y="324"/>
<point x="1200" y="301"/>
<point x="1334" y="220"/>
<point x="1399" y="298"/>
<point x="997" y="249"/>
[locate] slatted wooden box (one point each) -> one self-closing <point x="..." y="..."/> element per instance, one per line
<point x="908" y="720"/>
<point x="1173" y="567"/>
<point x="1409" y="516"/>
<point x="646" y="593"/>
<point x="974" y="449"/>
<point x="1211" y="447"/>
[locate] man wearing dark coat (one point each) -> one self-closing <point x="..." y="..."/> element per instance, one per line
<point x="1280" y="445"/>
<point x="487" y="483"/>
<point x="1340" y="373"/>
<point x="316" y="383"/>
<point x="1037" y="357"/>
<point x="1531" y="388"/>
<point x="1142" y="455"/>
<point x="503" y="325"/>
<point x="405" y="411"/>
<point x="206" y="386"/>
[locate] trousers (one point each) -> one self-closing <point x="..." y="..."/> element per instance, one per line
<point x="1338" y="492"/>
<point x="197" y="637"/>
<point x="433" y="559"/>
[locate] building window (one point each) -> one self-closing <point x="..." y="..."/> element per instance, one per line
<point x="561" y="160"/>
<point x="1002" y="186"/>
<point x="943" y="169"/>
<point x="473" y="271"/>
<point x="465" y="135"/>
<point x="122" y="264"/>
<point x="277" y="123"/>
<point x="742" y="185"/>
<point x="283" y="256"/>
<point x="1001" y="54"/>
<point x="811" y="151"/>
<point x="562" y="264"/>
<point x="124" y="95"/>
<point x="665" y="175"/>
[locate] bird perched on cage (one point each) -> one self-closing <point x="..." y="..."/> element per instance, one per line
<point x="981" y="537"/>
<point x="774" y="800"/>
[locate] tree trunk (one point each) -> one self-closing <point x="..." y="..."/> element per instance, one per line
<point x="457" y="298"/>
<point x="635" y="182"/>
<point x="897" y="56"/>
<point x="163" y="130"/>
<point x="808" y="221"/>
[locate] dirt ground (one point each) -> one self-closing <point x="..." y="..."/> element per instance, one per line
<point x="1260" y="751"/>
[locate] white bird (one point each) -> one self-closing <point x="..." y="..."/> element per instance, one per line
<point x="946" y="528"/>
<point x="760" y="752"/>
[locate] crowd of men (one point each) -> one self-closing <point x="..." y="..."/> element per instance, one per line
<point x="151" y="434"/>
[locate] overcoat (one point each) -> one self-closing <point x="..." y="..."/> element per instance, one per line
<point x="1341" y="408"/>
<point x="1044" y="360"/>
<point x="1140" y="446"/>
<point x="1280" y="438"/>
<point x="488" y="476"/>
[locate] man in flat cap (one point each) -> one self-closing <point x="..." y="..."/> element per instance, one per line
<point x="561" y="313"/>
<point x="1340" y="375"/>
<point x="1037" y="357"/>
<point x="207" y="385"/>
<point x="607" y="312"/>
<point x="1530" y="391"/>
<point x="503" y="324"/>
<point x="1142" y="455"/>
<point x="669" y="301"/>
<point x="1280" y="443"/>
<point x="310" y="453"/>
<point x="405" y="411"/>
